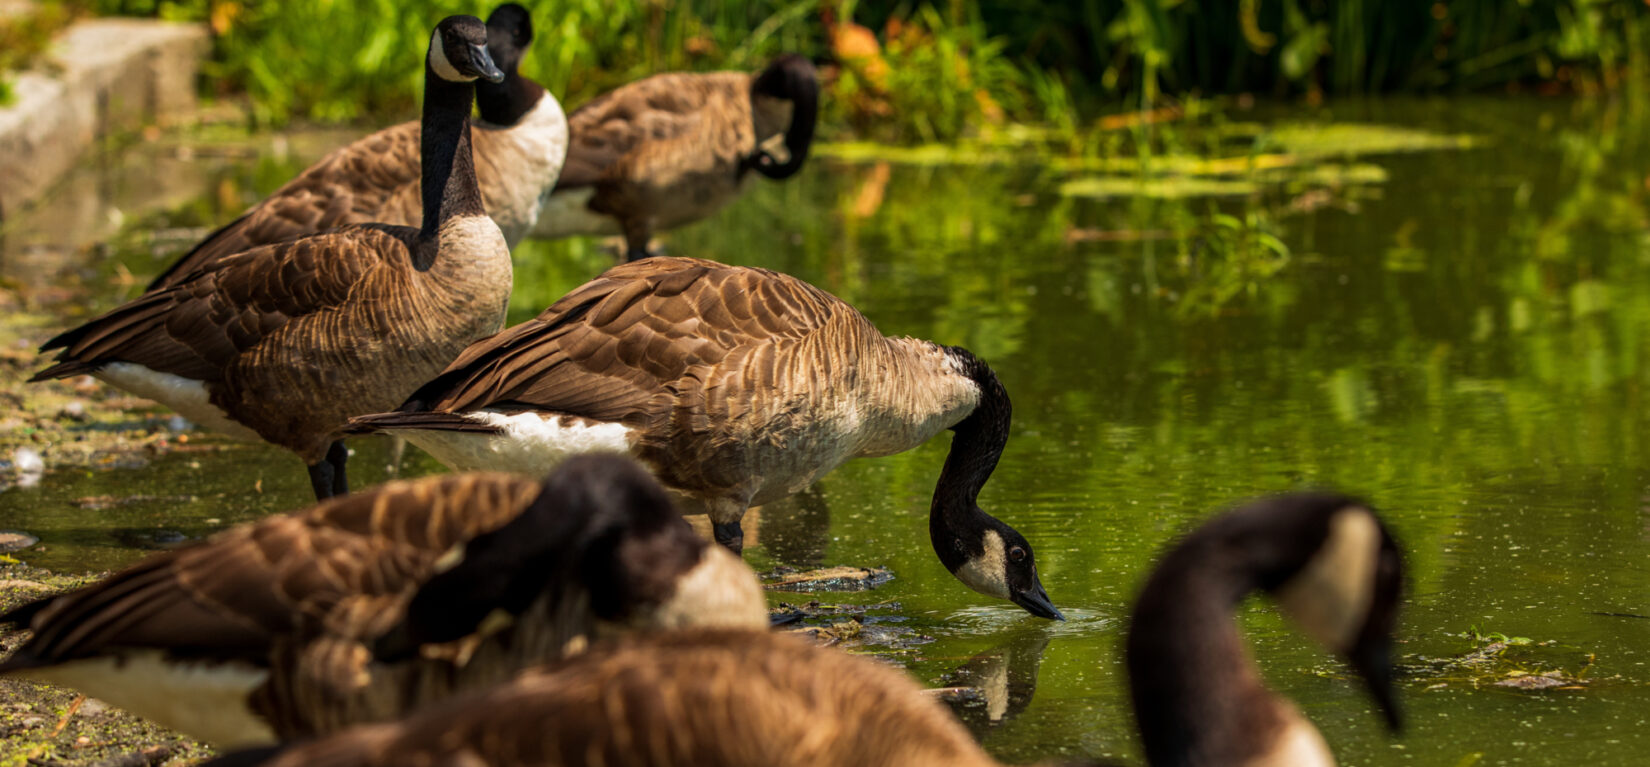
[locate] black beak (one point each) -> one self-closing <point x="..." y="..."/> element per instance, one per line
<point x="1035" y="601"/>
<point x="1372" y="659"/>
<point x="483" y="62"/>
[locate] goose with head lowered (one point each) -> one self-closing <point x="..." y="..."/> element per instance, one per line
<point x="285" y="342"/>
<point x="519" y="142"/>
<point x="675" y="148"/>
<point x="737" y="387"/>
<point x="366" y="607"/>
<point x="741" y="699"/>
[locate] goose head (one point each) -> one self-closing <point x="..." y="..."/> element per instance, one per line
<point x="789" y="80"/>
<point x="458" y="51"/>
<point x="601" y="530"/>
<point x="1325" y="558"/>
<point x="984" y="552"/>
<point x="509" y="35"/>
<point x="1335" y="571"/>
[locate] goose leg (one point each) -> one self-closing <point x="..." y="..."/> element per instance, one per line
<point x="337" y="456"/>
<point x="320" y="479"/>
<point x="637" y="232"/>
<point x="730" y="535"/>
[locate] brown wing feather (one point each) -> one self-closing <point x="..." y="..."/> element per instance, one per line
<point x="347" y="566"/>
<point x="372" y="180"/>
<point x="669" y="122"/>
<point x="624" y="346"/>
<point x="708" y="698"/>
<point x="197" y="328"/>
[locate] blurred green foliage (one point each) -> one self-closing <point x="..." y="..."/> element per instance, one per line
<point x="935" y="70"/>
<point x="24" y="35"/>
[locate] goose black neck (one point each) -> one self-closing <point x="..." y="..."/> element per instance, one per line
<point x="507" y="102"/>
<point x="978" y="443"/>
<point x="448" y="182"/>
<point x="1197" y="697"/>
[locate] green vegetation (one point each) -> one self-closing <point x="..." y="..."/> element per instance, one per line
<point x="936" y="70"/>
<point x="24" y="36"/>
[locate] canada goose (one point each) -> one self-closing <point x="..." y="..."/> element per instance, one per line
<point x="268" y="630"/>
<point x="738" y="387"/>
<point x="284" y="342"/>
<point x="519" y="144"/>
<point x="739" y="699"/>
<point x="674" y="148"/>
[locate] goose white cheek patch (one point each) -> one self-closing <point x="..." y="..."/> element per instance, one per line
<point x="438" y="62"/>
<point x="988" y="572"/>
<point x="1330" y="597"/>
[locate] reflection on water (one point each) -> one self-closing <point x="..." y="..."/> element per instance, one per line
<point x="1462" y="336"/>
<point x="1003" y="679"/>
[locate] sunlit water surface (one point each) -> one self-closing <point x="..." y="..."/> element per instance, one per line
<point x="1461" y="335"/>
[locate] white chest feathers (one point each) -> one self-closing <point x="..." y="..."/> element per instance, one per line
<point x="528" y="443"/>
<point x="520" y="165"/>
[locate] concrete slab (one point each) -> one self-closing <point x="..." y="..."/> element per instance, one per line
<point x="103" y="77"/>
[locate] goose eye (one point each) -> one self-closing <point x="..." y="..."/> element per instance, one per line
<point x="1017" y="554"/>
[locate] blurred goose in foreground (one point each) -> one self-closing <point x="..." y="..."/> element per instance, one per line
<point x="270" y="630"/>
<point x="740" y="699"/>
<point x="674" y="148"/>
<point x="284" y="342"/>
<point x="737" y="387"/>
<point x="519" y="144"/>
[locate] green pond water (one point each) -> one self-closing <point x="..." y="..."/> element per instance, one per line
<point x="1449" y="320"/>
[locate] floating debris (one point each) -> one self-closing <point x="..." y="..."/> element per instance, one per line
<point x="1511" y="663"/>
<point x="14" y="540"/>
<point x="829" y="579"/>
<point x="849" y="626"/>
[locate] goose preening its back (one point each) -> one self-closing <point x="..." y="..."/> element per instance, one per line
<point x="737" y="387"/>
<point x="740" y="699"/>
<point x="519" y="145"/>
<point x="285" y="342"/>
<point x="674" y="148"/>
<point x="457" y="582"/>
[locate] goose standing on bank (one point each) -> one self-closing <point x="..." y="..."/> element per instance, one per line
<point x="676" y="147"/>
<point x="269" y="630"/>
<point x="737" y="387"/>
<point x="285" y="342"/>
<point x="519" y="145"/>
<point x="738" y="699"/>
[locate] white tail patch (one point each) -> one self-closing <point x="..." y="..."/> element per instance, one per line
<point x="1329" y="598"/>
<point x="204" y="700"/>
<point x="185" y="395"/>
<point x="530" y="443"/>
<point x="566" y="214"/>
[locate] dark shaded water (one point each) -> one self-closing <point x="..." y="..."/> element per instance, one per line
<point x="1460" y="334"/>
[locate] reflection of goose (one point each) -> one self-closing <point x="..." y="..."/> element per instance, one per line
<point x="674" y="148"/>
<point x="286" y="341"/>
<point x="1005" y="677"/>
<point x="724" y="699"/>
<point x="520" y="143"/>
<point x="738" y="387"/>
<point x="456" y="582"/>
